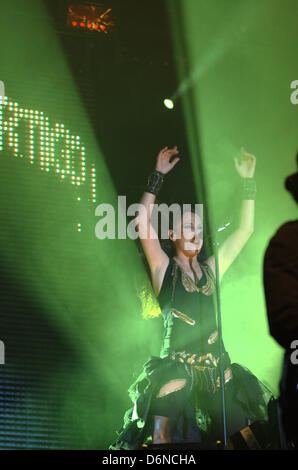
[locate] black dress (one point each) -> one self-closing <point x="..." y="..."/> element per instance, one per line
<point x="191" y="350"/>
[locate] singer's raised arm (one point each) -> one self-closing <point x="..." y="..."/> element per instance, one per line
<point x="236" y="241"/>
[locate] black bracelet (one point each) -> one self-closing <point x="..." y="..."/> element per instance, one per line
<point x="155" y="181"/>
<point x="249" y="189"/>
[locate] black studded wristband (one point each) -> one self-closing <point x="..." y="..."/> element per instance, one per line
<point x="249" y="188"/>
<point x="155" y="181"/>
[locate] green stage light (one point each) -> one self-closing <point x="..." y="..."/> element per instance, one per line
<point x="225" y="105"/>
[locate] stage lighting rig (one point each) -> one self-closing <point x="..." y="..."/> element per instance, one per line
<point x="90" y="17"/>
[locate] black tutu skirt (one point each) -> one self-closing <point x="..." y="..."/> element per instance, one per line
<point x="200" y="420"/>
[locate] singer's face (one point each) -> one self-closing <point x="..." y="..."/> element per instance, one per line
<point x="190" y="238"/>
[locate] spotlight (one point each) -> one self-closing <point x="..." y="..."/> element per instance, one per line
<point x="168" y="103"/>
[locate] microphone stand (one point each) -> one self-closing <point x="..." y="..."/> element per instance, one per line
<point x="221" y="368"/>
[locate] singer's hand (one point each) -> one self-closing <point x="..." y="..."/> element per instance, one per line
<point x="163" y="163"/>
<point x="246" y="167"/>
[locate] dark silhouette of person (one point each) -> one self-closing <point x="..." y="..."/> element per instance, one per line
<point x="281" y="294"/>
